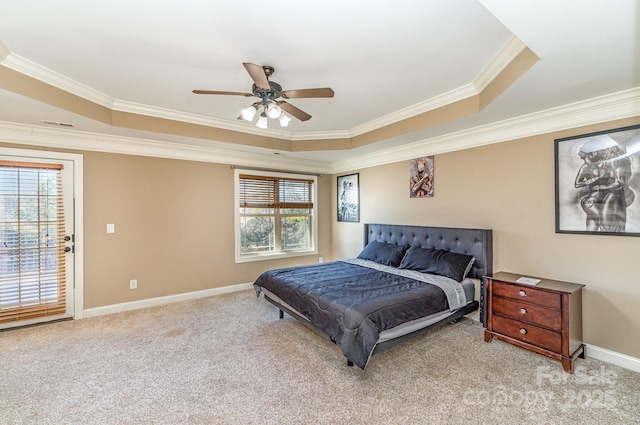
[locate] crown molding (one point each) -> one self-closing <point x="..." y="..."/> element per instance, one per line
<point x="40" y="73"/>
<point x="625" y="104"/>
<point x="321" y="135"/>
<point x="239" y="126"/>
<point x="31" y="69"/>
<point x="443" y="99"/>
<point x="84" y="141"/>
<point x="173" y="115"/>
<point x="602" y="109"/>
<point x="621" y="105"/>
<point x="505" y="56"/>
<point x="4" y="51"/>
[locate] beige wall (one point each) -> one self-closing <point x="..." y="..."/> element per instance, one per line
<point x="174" y="228"/>
<point x="509" y="187"/>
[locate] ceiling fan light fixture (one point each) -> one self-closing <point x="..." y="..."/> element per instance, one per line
<point x="249" y="113"/>
<point x="273" y="111"/>
<point x="262" y="121"/>
<point x="269" y="92"/>
<point x="284" y="120"/>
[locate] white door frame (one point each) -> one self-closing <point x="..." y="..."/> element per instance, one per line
<point x="78" y="224"/>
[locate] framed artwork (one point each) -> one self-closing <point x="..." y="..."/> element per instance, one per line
<point x="421" y="177"/>
<point x="597" y="179"/>
<point x="349" y="198"/>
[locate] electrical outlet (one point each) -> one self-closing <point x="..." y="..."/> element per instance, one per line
<point x="133" y="284"/>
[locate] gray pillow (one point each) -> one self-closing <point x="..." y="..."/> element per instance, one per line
<point x="437" y="261"/>
<point x="383" y="253"/>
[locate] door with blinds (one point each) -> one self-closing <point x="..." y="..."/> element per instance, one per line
<point x="36" y="240"/>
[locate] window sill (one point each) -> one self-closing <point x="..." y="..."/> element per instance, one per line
<point x="276" y="256"/>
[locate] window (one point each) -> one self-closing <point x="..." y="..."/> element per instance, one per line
<point x="275" y="215"/>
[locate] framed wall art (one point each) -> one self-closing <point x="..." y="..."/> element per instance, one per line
<point x="421" y="177"/>
<point x="597" y="179"/>
<point x="349" y="198"/>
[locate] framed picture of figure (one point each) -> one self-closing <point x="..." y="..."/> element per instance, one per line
<point x="597" y="178"/>
<point x="421" y="177"/>
<point x="349" y="198"/>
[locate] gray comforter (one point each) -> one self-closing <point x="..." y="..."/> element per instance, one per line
<point x="353" y="301"/>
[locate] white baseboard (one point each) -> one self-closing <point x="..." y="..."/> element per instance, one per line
<point x="612" y="357"/>
<point x="595" y="352"/>
<point x="150" y="302"/>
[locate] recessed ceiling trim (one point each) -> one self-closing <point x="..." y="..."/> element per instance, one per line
<point x="170" y="114"/>
<point x="33" y="70"/>
<point x="321" y="135"/>
<point x="510" y="51"/>
<point x="4" y="51"/>
<point x="621" y="105"/>
<point x="499" y="63"/>
<point x="503" y="58"/>
<point x="84" y="141"/>
<point x="419" y="108"/>
<point x="40" y="73"/>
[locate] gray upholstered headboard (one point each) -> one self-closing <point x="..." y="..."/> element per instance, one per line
<point x="476" y="242"/>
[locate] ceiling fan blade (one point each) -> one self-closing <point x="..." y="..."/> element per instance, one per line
<point x="307" y="93"/>
<point x="292" y="110"/>
<point x="258" y="75"/>
<point x="230" y="93"/>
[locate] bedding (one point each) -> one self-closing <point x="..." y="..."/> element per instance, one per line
<point x="353" y="301"/>
<point x="469" y="286"/>
<point x="382" y="298"/>
<point x="438" y="261"/>
<point x="384" y="253"/>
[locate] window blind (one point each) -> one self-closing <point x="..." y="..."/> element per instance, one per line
<point x="32" y="231"/>
<point x="275" y="192"/>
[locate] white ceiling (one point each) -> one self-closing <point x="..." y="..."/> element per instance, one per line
<point x="383" y="59"/>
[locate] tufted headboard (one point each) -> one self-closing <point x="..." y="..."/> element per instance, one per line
<point x="476" y="242"/>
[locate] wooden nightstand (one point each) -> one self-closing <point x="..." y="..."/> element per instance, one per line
<point x="545" y="317"/>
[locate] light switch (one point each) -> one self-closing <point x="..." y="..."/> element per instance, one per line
<point x="111" y="228"/>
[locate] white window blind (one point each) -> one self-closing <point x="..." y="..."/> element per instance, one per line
<point x="32" y="246"/>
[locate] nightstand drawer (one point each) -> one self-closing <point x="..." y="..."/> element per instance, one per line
<point x="532" y="334"/>
<point x="531" y="295"/>
<point x="530" y="313"/>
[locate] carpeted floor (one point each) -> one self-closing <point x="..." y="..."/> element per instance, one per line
<point x="229" y="360"/>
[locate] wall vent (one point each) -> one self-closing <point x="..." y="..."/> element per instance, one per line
<point x="57" y="123"/>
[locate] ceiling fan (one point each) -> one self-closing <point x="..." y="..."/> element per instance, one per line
<point x="270" y="93"/>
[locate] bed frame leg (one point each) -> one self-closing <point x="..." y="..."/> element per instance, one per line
<point x="281" y="314"/>
<point x="349" y="363"/>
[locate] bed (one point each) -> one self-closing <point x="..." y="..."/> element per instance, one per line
<point x="406" y="281"/>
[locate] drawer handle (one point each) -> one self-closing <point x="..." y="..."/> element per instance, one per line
<point x="523" y="311"/>
<point x="523" y="331"/>
<point x="522" y="293"/>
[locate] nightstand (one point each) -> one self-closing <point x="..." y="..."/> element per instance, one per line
<point x="545" y="318"/>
